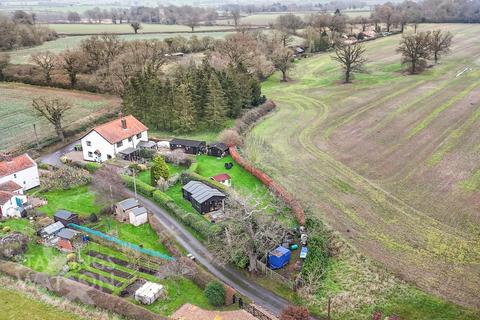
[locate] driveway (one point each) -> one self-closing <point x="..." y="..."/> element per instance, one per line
<point x="53" y="158"/>
<point x="229" y="275"/>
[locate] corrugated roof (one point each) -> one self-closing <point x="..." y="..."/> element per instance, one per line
<point x="113" y="132"/>
<point x="53" y="228"/>
<point x="10" y="186"/>
<point x="201" y="192"/>
<point x="128" y="204"/>
<point x="139" y="211"/>
<point x="16" y="164"/>
<point x="63" y="214"/>
<point x="67" y="233"/>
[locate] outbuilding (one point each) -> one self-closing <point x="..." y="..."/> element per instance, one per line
<point x="148" y="293"/>
<point x="203" y="198"/>
<point x="218" y="149"/>
<point x="65" y="217"/>
<point x="51" y="230"/>
<point x="138" y="216"/>
<point x="189" y="146"/>
<point x="66" y="239"/>
<point x="223" y="178"/>
<point x="278" y="258"/>
<point x="123" y="208"/>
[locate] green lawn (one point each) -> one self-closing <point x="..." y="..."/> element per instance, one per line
<point x="145" y="176"/>
<point x="79" y="200"/>
<point x="14" y="305"/>
<point x="175" y="192"/>
<point x="21" y="225"/>
<point x="44" y="259"/>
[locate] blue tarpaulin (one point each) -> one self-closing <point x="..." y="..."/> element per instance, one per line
<point x="278" y="258"/>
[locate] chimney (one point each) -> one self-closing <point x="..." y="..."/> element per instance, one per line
<point x="124" y="123"/>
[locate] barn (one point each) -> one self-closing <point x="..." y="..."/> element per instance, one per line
<point x="203" y="198"/>
<point x="189" y="146"/>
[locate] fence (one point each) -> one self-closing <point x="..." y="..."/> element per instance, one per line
<point x="275" y="275"/>
<point x="258" y="312"/>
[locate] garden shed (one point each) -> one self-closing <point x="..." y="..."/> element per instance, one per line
<point x="51" y="230"/>
<point x="218" y="149"/>
<point x="138" y="216"/>
<point x="203" y="198"/>
<point x="66" y="239"/>
<point x="223" y="178"/>
<point x="148" y="293"/>
<point x="278" y="258"/>
<point x="123" y="208"/>
<point x="65" y="217"/>
<point x="189" y="146"/>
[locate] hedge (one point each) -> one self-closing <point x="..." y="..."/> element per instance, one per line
<point x="189" y="176"/>
<point x="195" y="221"/>
<point x="142" y="187"/>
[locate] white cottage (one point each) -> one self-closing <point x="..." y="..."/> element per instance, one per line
<point x="120" y="136"/>
<point x="22" y="170"/>
<point x="12" y="200"/>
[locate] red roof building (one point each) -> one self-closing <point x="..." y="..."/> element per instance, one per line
<point x="8" y="167"/>
<point x="223" y="178"/>
<point x="18" y="173"/>
<point x="120" y="129"/>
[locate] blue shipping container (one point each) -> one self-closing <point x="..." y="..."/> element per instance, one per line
<point x="278" y="258"/>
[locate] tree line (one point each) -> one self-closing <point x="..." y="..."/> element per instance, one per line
<point x="195" y="96"/>
<point x="20" y="30"/>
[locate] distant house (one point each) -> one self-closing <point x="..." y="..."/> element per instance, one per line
<point x="223" y="178"/>
<point x="67" y="239"/>
<point x="218" y="149"/>
<point x="22" y="170"/>
<point x="138" y="216"/>
<point x="189" y="146"/>
<point x="65" y="217"/>
<point x="119" y="137"/>
<point x="203" y="198"/>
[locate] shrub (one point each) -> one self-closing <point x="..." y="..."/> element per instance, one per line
<point x="159" y="169"/>
<point x="295" y="313"/>
<point x="71" y="257"/>
<point x="72" y="266"/>
<point x="178" y="157"/>
<point x="93" y="218"/>
<point x="92" y="166"/>
<point x="230" y="137"/>
<point x="215" y="293"/>
<point x="6" y="229"/>
<point x="142" y="187"/>
<point x="65" y="178"/>
<point x="146" y="153"/>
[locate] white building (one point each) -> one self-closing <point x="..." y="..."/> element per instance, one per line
<point x="11" y="200"/>
<point x="138" y="216"/>
<point x="22" y="170"/>
<point x="120" y="136"/>
<point x="148" y="293"/>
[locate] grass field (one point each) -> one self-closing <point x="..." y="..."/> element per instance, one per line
<point x="390" y="161"/>
<point x="17" y="306"/>
<point x="17" y="116"/>
<point x="79" y="200"/>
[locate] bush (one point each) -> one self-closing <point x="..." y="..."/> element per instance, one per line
<point x="65" y="178"/>
<point x="142" y="187"/>
<point x="93" y="218"/>
<point x="159" y="169"/>
<point x="215" y="293"/>
<point x="230" y="137"/>
<point x="71" y="257"/>
<point x="92" y="166"/>
<point x="6" y="229"/>
<point x="72" y="266"/>
<point x="146" y="153"/>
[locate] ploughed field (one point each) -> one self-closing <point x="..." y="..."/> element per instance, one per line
<point x="17" y="116"/>
<point x="391" y="161"/>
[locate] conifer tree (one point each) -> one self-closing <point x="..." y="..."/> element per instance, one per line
<point x="158" y="170"/>
<point x="184" y="113"/>
<point x="216" y="108"/>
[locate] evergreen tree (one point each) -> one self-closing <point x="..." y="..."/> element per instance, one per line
<point x="216" y="108"/>
<point x="158" y="170"/>
<point x="184" y="113"/>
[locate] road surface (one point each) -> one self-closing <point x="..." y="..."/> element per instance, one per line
<point x="53" y="158"/>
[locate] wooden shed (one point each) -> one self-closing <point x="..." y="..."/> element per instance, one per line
<point x="189" y="146"/>
<point x="65" y="217"/>
<point x="203" y="198"/>
<point x="218" y="149"/>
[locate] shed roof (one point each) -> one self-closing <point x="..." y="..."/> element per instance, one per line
<point x="16" y="164"/>
<point x="149" y="290"/>
<point x="10" y="186"/>
<point x="146" y="144"/>
<point x="219" y="145"/>
<point x="113" y="132"/>
<point x="187" y="143"/>
<point x="221" y="177"/>
<point x="53" y="228"/>
<point x="138" y="211"/>
<point x="64" y="214"/>
<point x="67" y="233"/>
<point x="128" y="204"/>
<point x="201" y="192"/>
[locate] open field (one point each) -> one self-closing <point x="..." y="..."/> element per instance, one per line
<point x="17" y="116"/>
<point x="390" y="161"/>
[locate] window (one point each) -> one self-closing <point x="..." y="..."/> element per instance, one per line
<point x="14" y="175"/>
<point x="24" y="182"/>
<point x="90" y="154"/>
<point x="89" y="143"/>
<point x="139" y="135"/>
<point x="119" y="144"/>
<point x="130" y="139"/>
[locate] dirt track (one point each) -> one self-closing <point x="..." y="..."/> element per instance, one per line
<point x="391" y="161"/>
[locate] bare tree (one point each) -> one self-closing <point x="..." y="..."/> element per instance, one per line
<point x="53" y="110"/>
<point x="108" y="185"/>
<point x="46" y="61"/>
<point x="415" y="50"/>
<point x="249" y="230"/>
<point x="351" y="57"/>
<point x="440" y="42"/>
<point x="4" y="61"/>
<point x="236" y="16"/>
<point x="136" y="26"/>
<point x="282" y="60"/>
<point x="72" y="62"/>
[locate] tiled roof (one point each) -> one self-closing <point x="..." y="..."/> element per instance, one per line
<point x="113" y="132"/>
<point x="10" y="186"/>
<point x="5" y="196"/>
<point x="15" y="165"/>
<point x="221" y="177"/>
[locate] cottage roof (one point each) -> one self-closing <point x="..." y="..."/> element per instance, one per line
<point x="128" y="204"/>
<point x="10" y="186"/>
<point x="221" y="177"/>
<point x="67" y="233"/>
<point x="53" y="228"/>
<point x="219" y="145"/>
<point x="201" y="192"/>
<point x="187" y="143"/>
<point x="138" y="211"/>
<point x="16" y="164"/>
<point x="113" y="132"/>
<point x="64" y="215"/>
<point x="5" y="196"/>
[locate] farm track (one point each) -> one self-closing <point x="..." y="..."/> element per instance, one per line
<point x="314" y="159"/>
